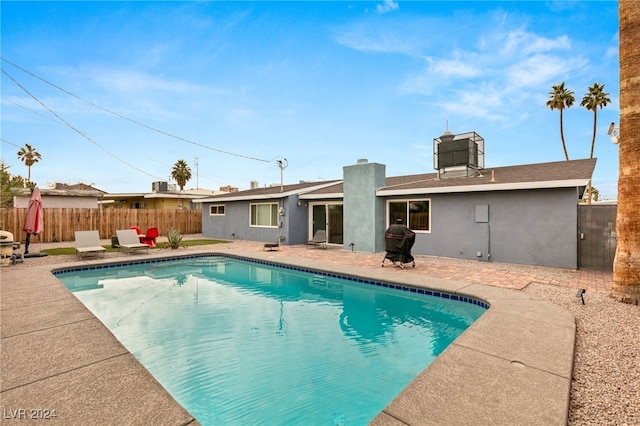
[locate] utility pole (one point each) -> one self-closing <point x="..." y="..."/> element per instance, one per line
<point x="196" y="162"/>
<point x="282" y="164"/>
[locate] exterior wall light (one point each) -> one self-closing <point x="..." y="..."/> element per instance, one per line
<point x="615" y="132"/>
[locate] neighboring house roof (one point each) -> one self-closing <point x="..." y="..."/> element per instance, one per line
<point x="270" y="192"/>
<point x="60" y="198"/>
<point x="149" y="195"/>
<point x="75" y="187"/>
<point x="69" y="192"/>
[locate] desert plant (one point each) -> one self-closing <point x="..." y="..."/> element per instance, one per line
<point x="174" y="238"/>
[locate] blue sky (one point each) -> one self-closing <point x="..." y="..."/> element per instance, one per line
<point x="240" y="85"/>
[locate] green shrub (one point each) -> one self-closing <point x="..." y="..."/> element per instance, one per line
<point x="174" y="238"/>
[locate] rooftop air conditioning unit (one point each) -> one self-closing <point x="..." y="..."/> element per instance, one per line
<point x="159" y="186"/>
<point x="458" y="155"/>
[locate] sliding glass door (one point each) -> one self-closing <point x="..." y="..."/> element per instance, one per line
<point x="327" y="216"/>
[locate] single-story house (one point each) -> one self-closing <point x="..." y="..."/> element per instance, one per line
<point x="525" y="214"/>
<point x="63" y="196"/>
<point x="162" y="196"/>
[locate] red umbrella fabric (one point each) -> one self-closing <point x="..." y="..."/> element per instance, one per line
<point x="34" y="223"/>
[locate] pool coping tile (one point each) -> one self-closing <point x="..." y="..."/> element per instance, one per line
<point x="468" y="387"/>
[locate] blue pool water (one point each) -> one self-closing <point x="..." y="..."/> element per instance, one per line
<point x="238" y="342"/>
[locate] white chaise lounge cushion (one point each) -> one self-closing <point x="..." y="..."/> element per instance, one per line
<point x="128" y="239"/>
<point x="88" y="242"/>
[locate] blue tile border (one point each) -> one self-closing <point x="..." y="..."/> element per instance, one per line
<point x="427" y="292"/>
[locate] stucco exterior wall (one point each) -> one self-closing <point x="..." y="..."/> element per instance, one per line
<point x="236" y="221"/>
<point x="59" y="202"/>
<point x="526" y="227"/>
<point x="363" y="210"/>
<point x="296" y="221"/>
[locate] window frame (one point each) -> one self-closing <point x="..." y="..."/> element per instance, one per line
<point x="407" y="213"/>
<point x="217" y="212"/>
<point x="273" y="215"/>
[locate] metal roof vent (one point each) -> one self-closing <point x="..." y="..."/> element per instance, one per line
<point x="447" y="136"/>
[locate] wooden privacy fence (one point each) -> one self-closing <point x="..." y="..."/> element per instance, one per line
<point x="60" y="224"/>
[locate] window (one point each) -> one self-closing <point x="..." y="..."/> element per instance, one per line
<point x="416" y="214"/>
<point x="264" y="214"/>
<point x="216" y="210"/>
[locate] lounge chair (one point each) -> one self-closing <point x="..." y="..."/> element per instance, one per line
<point x="319" y="239"/>
<point x="274" y="246"/>
<point x="149" y="237"/>
<point x="128" y="239"/>
<point x="88" y="242"/>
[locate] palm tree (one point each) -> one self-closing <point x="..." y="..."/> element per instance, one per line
<point x="181" y="173"/>
<point x="560" y="98"/>
<point x="29" y="156"/>
<point x="626" y="265"/>
<point x="592" y="100"/>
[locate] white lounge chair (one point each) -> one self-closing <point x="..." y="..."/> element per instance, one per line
<point x="88" y="242"/>
<point x="128" y="239"/>
<point x="319" y="239"/>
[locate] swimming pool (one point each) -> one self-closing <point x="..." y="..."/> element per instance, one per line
<point x="239" y="342"/>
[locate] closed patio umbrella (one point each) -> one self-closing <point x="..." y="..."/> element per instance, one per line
<point x="34" y="222"/>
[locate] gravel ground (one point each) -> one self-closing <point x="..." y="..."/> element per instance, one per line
<point x="606" y="375"/>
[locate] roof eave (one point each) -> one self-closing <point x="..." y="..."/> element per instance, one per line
<point x="277" y="196"/>
<point x="266" y="196"/>
<point x="322" y="196"/>
<point x="571" y="183"/>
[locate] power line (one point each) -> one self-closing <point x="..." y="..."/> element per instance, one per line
<point x="28" y="109"/>
<point x="117" y="114"/>
<point x="10" y="143"/>
<point x="84" y="135"/>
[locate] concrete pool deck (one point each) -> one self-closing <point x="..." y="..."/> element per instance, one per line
<point x="512" y="366"/>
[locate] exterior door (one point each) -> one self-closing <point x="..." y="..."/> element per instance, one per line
<point x="318" y="219"/>
<point x="328" y="217"/>
<point x="597" y="237"/>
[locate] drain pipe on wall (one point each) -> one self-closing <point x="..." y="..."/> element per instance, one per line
<point x="488" y="256"/>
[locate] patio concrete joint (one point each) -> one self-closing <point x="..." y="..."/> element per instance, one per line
<point x="60" y="373"/>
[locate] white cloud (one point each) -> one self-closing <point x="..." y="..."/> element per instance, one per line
<point x="382" y="40"/>
<point x="523" y="42"/>
<point x="386" y="7"/>
<point x="535" y="70"/>
<point x="498" y="72"/>
<point x="480" y="102"/>
<point x="132" y="81"/>
<point x="455" y="68"/>
<point x="438" y="74"/>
